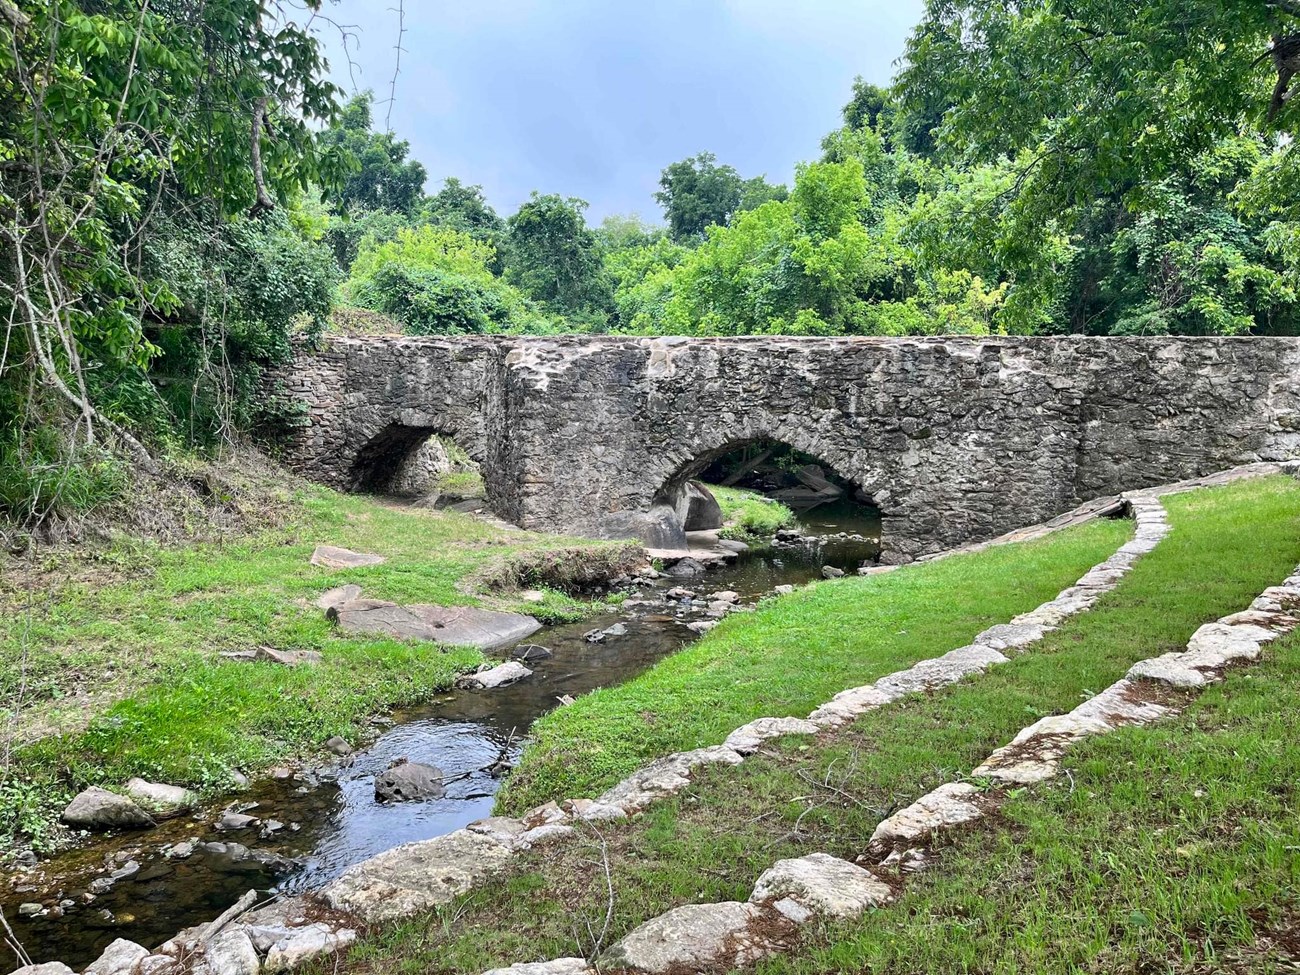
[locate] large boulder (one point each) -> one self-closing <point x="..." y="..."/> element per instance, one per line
<point x="404" y="781"/>
<point x="163" y="801"/>
<point x="662" y="529"/>
<point x="697" y="509"/>
<point x="231" y="952"/>
<point x="119" y="958"/>
<point x="97" y="808"/>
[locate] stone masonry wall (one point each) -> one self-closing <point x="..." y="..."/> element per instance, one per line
<point x="956" y="439"/>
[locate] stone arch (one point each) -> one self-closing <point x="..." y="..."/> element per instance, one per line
<point x="854" y="466"/>
<point x="402" y="457"/>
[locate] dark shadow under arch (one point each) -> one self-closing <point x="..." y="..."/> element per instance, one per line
<point x="402" y="460"/>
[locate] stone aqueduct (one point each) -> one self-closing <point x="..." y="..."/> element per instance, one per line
<point x="955" y="439"/>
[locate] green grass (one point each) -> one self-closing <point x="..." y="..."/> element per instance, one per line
<point x="794" y="654"/>
<point x="748" y="514"/>
<point x="1170" y="843"/>
<point x="120" y="672"/>
<point x="1172" y="849"/>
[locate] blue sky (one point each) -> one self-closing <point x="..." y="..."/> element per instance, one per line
<point x="592" y="98"/>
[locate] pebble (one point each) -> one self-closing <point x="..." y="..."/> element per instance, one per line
<point x="29" y="909"/>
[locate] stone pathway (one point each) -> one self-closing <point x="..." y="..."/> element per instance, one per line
<point x="418" y="876"/>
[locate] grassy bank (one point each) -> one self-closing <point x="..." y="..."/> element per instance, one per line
<point x="793" y="654"/>
<point x="748" y="514"/>
<point x="1171" y="848"/>
<point x="111" y="667"/>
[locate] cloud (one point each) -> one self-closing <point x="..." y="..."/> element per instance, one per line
<point x="592" y="99"/>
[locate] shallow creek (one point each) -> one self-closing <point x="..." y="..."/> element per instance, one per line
<point x="315" y="823"/>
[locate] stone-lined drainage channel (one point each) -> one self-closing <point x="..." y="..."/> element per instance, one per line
<point x="312" y="824"/>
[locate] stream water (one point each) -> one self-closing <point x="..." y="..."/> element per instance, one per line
<point x="315" y="823"/>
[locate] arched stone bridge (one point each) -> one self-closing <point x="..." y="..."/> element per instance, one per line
<point x="955" y="439"/>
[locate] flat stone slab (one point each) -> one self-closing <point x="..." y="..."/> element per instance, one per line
<point x="450" y="625"/>
<point x="561" y="966"/>
<point x="338" y="596"/>
<point x="748" y="738"/>
<point x="665" y="776"/>
<point x="825" y="885"/>
<point x="949" y="805"/>
<point x="333" y="557"/>
<point x="695" y="937"/>
<point x="416" y="876"/>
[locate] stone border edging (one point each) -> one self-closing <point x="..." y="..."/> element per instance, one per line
<point x="818" y="886"/>
<point x="287" y="933"/>
<point x="418" y="876"/>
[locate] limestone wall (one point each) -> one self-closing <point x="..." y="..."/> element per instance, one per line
<point x="956" y="439"/>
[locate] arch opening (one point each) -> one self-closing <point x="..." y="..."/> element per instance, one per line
<point x="766" y="491"/>
<point x="421" y="463"/>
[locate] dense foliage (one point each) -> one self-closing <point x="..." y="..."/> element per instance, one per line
<point x="174" y="213"/>
<point x="145" y="154"/>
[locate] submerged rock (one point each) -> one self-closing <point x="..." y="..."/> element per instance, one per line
<point x="97" y="808"/>
<point x="236" y="820"/>
<point x="531" y="651"/>
<point x="405" y="781"/>
<point x="498" y="676"/>
<point x="599" y="635"/>
<point x="685" y="568"/>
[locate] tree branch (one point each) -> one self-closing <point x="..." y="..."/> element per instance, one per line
<point x="17" y="19"/>
<point x="264" y="202"/>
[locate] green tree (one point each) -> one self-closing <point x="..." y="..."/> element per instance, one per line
<point x="383" y="177"/>
<point x="870" y="107"/>
<point x="555" y="256"/>
<point x="1106" y="98"/>
<point x="697" y="193"/>
<point x="437" y="281"/>
<point x="112" y="112"/>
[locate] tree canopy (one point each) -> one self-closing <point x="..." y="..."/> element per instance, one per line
<point x="184" y="194"/>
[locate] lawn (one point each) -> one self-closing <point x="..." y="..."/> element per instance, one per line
<point x="117" y="671"/>
<point x="793" y="654"/>
<point x="748" y="514"/>
<point x="1170" y="848"/>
